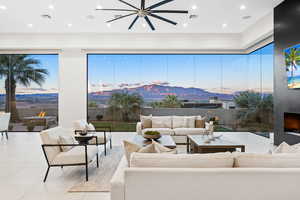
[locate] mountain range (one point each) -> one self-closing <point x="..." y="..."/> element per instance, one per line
<point x="158" y="92"/>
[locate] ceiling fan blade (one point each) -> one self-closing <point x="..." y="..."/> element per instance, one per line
<point x="117" y="10"/>
<point x="128" y="4"/>
<point x="133" y="22"/>
<point x="120" y="17"/>
<point x="170" y="11"/>
<point x="149" y="22"/>
<point x="159" y="4"/>
<point x="163" y="19"/>
<point x="142" y="4"/>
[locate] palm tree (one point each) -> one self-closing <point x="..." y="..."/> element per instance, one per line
<point x="19" y="69"/>
<point x="128" y="105"/>
<point x="171" y="101"/>
<point x="292" y="60"/>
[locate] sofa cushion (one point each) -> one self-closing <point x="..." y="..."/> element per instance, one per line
<point x="190" y="122"/>
<point x="146" y="121"/>
<point x="162" y="122"/>
<point x="217" y="160"/>
<point x="76" y="155"/>
<point x="280" y="160"/>
<point x="178" y="122"/>
<point x="163" y="131"/>
<point x="189" y="131"/>
<point x="162" y="149"/>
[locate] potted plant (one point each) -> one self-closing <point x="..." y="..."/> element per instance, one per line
<point x="152" y="135"/>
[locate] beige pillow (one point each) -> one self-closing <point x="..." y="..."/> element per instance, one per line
<point x="66" y="140"/>
<point x="189" y="122"/>
<point x="130" y="148"/>
<point x="200" y="123"/>
<point x="286" y="148"/>
<point x="162" y="149"/>
<point x="146" y="121"/>
<point x="280" y="160"/>
<point x="90" y="127"/>
<point x="178" y="122"/>
<point x="162" y="122"/>
<point x="217" y="160"/>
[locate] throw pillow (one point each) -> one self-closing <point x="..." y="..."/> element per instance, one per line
<point x="286" y="148"/>
<point x="162" y="149"/>
<point x="90" y="127"/>
<point x="130" y="147"/>
<point x="66" y="140"/>
<point x="162" y="122"/>
<point x="200" y="123"/>
<point x="146" y="121"/>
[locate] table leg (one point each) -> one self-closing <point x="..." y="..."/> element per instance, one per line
<point x="243" y="149"/>
<point x="187" y="144"/>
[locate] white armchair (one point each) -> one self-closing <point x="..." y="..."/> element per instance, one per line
<point x="77" y="155"/>
<point x="4" y="123"/>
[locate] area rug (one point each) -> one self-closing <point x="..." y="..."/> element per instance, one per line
<point x="99" y="178"/>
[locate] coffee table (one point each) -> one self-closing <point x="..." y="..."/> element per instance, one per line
<point x="197" y="144"/>
<point x="165" y="140"/>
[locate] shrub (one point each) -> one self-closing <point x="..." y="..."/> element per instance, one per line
<point x="99" y="117"/>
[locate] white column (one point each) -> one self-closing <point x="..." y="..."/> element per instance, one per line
<point x="73" y="86"/>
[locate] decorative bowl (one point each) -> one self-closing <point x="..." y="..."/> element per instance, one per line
<point x="83" y="133"/>
<point x="152" y="135"/>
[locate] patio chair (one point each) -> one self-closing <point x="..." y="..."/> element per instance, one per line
<point x="78" y="155"/>
<point x="4" y="123"/>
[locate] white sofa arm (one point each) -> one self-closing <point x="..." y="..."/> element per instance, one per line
<point x="139" y="128"/>
<point x="117" y="182"/>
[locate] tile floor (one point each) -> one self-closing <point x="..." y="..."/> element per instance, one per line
<point x="22" y="167"/>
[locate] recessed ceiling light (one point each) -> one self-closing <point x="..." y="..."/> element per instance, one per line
<point x="243" y="7"/>
<point x="99" y="7"/>
<point x="90" y="17"/>
<point x="185" y="25"/>
<point x="3" y="7"/>
<point x="194" y="7"/>
<point x="69" y="25"/>
<point x="51" y="7"/>
<point x="46" y="16"/>
<point x="30" y="25"/>
<point x="224" y="25"/>
<point x="246" y="17"/>
<point x="108" y="24"/>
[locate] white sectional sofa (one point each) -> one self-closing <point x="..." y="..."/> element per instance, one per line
<point x="245" y="182"/>
<point x="176" y="126"/>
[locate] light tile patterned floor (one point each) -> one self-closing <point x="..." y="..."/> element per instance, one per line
<point x="22" y="167"/>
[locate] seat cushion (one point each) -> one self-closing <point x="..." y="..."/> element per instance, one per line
<point x="100" y="137"/>
<point x="163" y="131"/>
<point x="76" y="155"/>
<point x="214" y="160"/>
<point x="189" y="131"/>
<point x="162" y="122"/>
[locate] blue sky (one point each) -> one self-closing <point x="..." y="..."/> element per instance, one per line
<point x="223" y="73"/>
<point x="211" y="72"/>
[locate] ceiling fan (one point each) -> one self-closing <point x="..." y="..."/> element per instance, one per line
<point x="145" y="12"/>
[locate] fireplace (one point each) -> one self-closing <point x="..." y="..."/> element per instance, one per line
<point x="292" y="123"/>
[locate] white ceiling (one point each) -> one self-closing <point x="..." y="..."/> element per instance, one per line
<point x="212" y="14"/>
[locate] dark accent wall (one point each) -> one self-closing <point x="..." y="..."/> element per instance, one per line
<point x="286" y="34"/>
